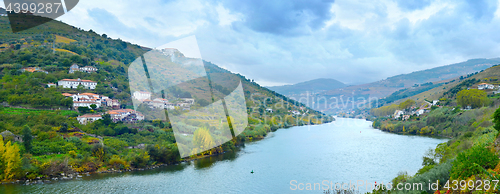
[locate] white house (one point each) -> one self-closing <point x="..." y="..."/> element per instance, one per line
<point x="269" y="110"/>
<point x="434" y="102"/>
<point x="420" y="111"/>
<point x="86" y="104"/>
<point x="49" y="85"/>
<point x="88" y="69"/>
<point x="85" y="119"/>
<point x="484" y="86"/>
<point x="142" y="95"/>
<point x="125" y="115"/>
<point x="188" y="100"/>
<point x="74" y="83"/>
<point x="169" y="106"/>
<point x="74" y="68"/>
<point x="398" y="113"/>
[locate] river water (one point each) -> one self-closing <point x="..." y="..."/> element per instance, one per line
<point x="344" y="151"/>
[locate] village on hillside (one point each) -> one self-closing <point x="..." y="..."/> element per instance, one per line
<point x="426" y="107"/>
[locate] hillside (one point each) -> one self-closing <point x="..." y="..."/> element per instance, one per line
<point x="33" y="106"/>
<point x="311" y="86"/>
<point x="384" y="88"/>
<point x="464" y="110"/>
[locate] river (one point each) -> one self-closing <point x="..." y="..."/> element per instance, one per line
<point x="343" y="151"/>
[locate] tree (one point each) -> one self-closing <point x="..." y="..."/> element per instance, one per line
<point x="106" y="119"/>
<point x="202" y="102"/>
<point x="203" y="139"/>
<point x="406" y="104"/>
<point x="27" y="138"/>
<point x="474" y="98"/>
<point x="64" y="127"/>
<point x="496" y="119"/>
<point x="93" y="106"/>
<point x="10" y="162"/>
<point x="83" y="109"/>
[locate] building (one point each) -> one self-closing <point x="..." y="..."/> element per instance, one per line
<point x="74" y="83"/>
<point x="85" y="119"/>
<point x="125" y="115"/>
<point x="115" y="104"/>
<point x="420" y="111"/>
<point x="87" y="69"/>
<point x="398" y="114"/>
<point x="188" y="100"/>
<point x="87" y="104"/>
<point x="7" y="135"/>
<point x="87" y="99"/>
<point x="269" y="110"/>
<point x="49" y="85"/>
<point x="169" y="106"/>
<point x="142" y="95"/>
<point x="485" y="86"/>
<point x="74" y="68"/>
<point x="34" y="69"/>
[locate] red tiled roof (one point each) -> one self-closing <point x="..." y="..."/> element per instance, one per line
<point x="89" y="116"/>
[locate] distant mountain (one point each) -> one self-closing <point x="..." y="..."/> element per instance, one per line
<point x="385" y="87"/>
<point x="312" y="86"/>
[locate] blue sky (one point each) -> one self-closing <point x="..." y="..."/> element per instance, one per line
<point x="282" y="41"/>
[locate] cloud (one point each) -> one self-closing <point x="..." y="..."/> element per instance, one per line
<point x="282" y="41"/>
<point x="410" y="5"/>
<point x="283" y="17"/>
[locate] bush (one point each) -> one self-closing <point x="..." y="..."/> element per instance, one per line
<point x="472" y="161"/>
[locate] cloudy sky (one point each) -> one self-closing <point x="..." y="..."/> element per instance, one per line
<point x="282" y="42"/>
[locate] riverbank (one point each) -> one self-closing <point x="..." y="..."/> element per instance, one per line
<point x="73" y="174"/>
<point x="335" y="152"/>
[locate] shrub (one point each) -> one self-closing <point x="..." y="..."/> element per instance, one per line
<point x="465" y="164"/>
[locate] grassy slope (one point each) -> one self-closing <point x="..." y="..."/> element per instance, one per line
<point x="466" y="128"/>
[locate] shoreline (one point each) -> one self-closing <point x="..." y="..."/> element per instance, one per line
<point x="76" y="175"/>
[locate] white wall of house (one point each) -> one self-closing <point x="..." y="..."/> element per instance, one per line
<point x="75" y="83"/>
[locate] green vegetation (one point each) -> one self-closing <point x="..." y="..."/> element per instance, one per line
<point x="473" y="98"/>
<point x="55" y="142"/>
<point x="471" y="154"/>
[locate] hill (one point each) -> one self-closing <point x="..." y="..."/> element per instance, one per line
<point x="384" y="88"/>
<point x="463" y="110"/>
<point x="312" y="86"/>
<point x="31" y="107"/>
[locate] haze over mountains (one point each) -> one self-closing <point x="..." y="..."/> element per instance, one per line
<point x="329" y="101"/>
<point x="312" y="86"/>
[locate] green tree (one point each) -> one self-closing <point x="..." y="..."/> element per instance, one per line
<point x="496" y="119"/>
<point x="93" y="106"/>
<point x="27" y="138"/>
<point x="106" y="119"/>
<point x="474" y="98"/>
<point x="83" y="109"/>
<point x="407" y="104"/>
<point x="64" y="127"/>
